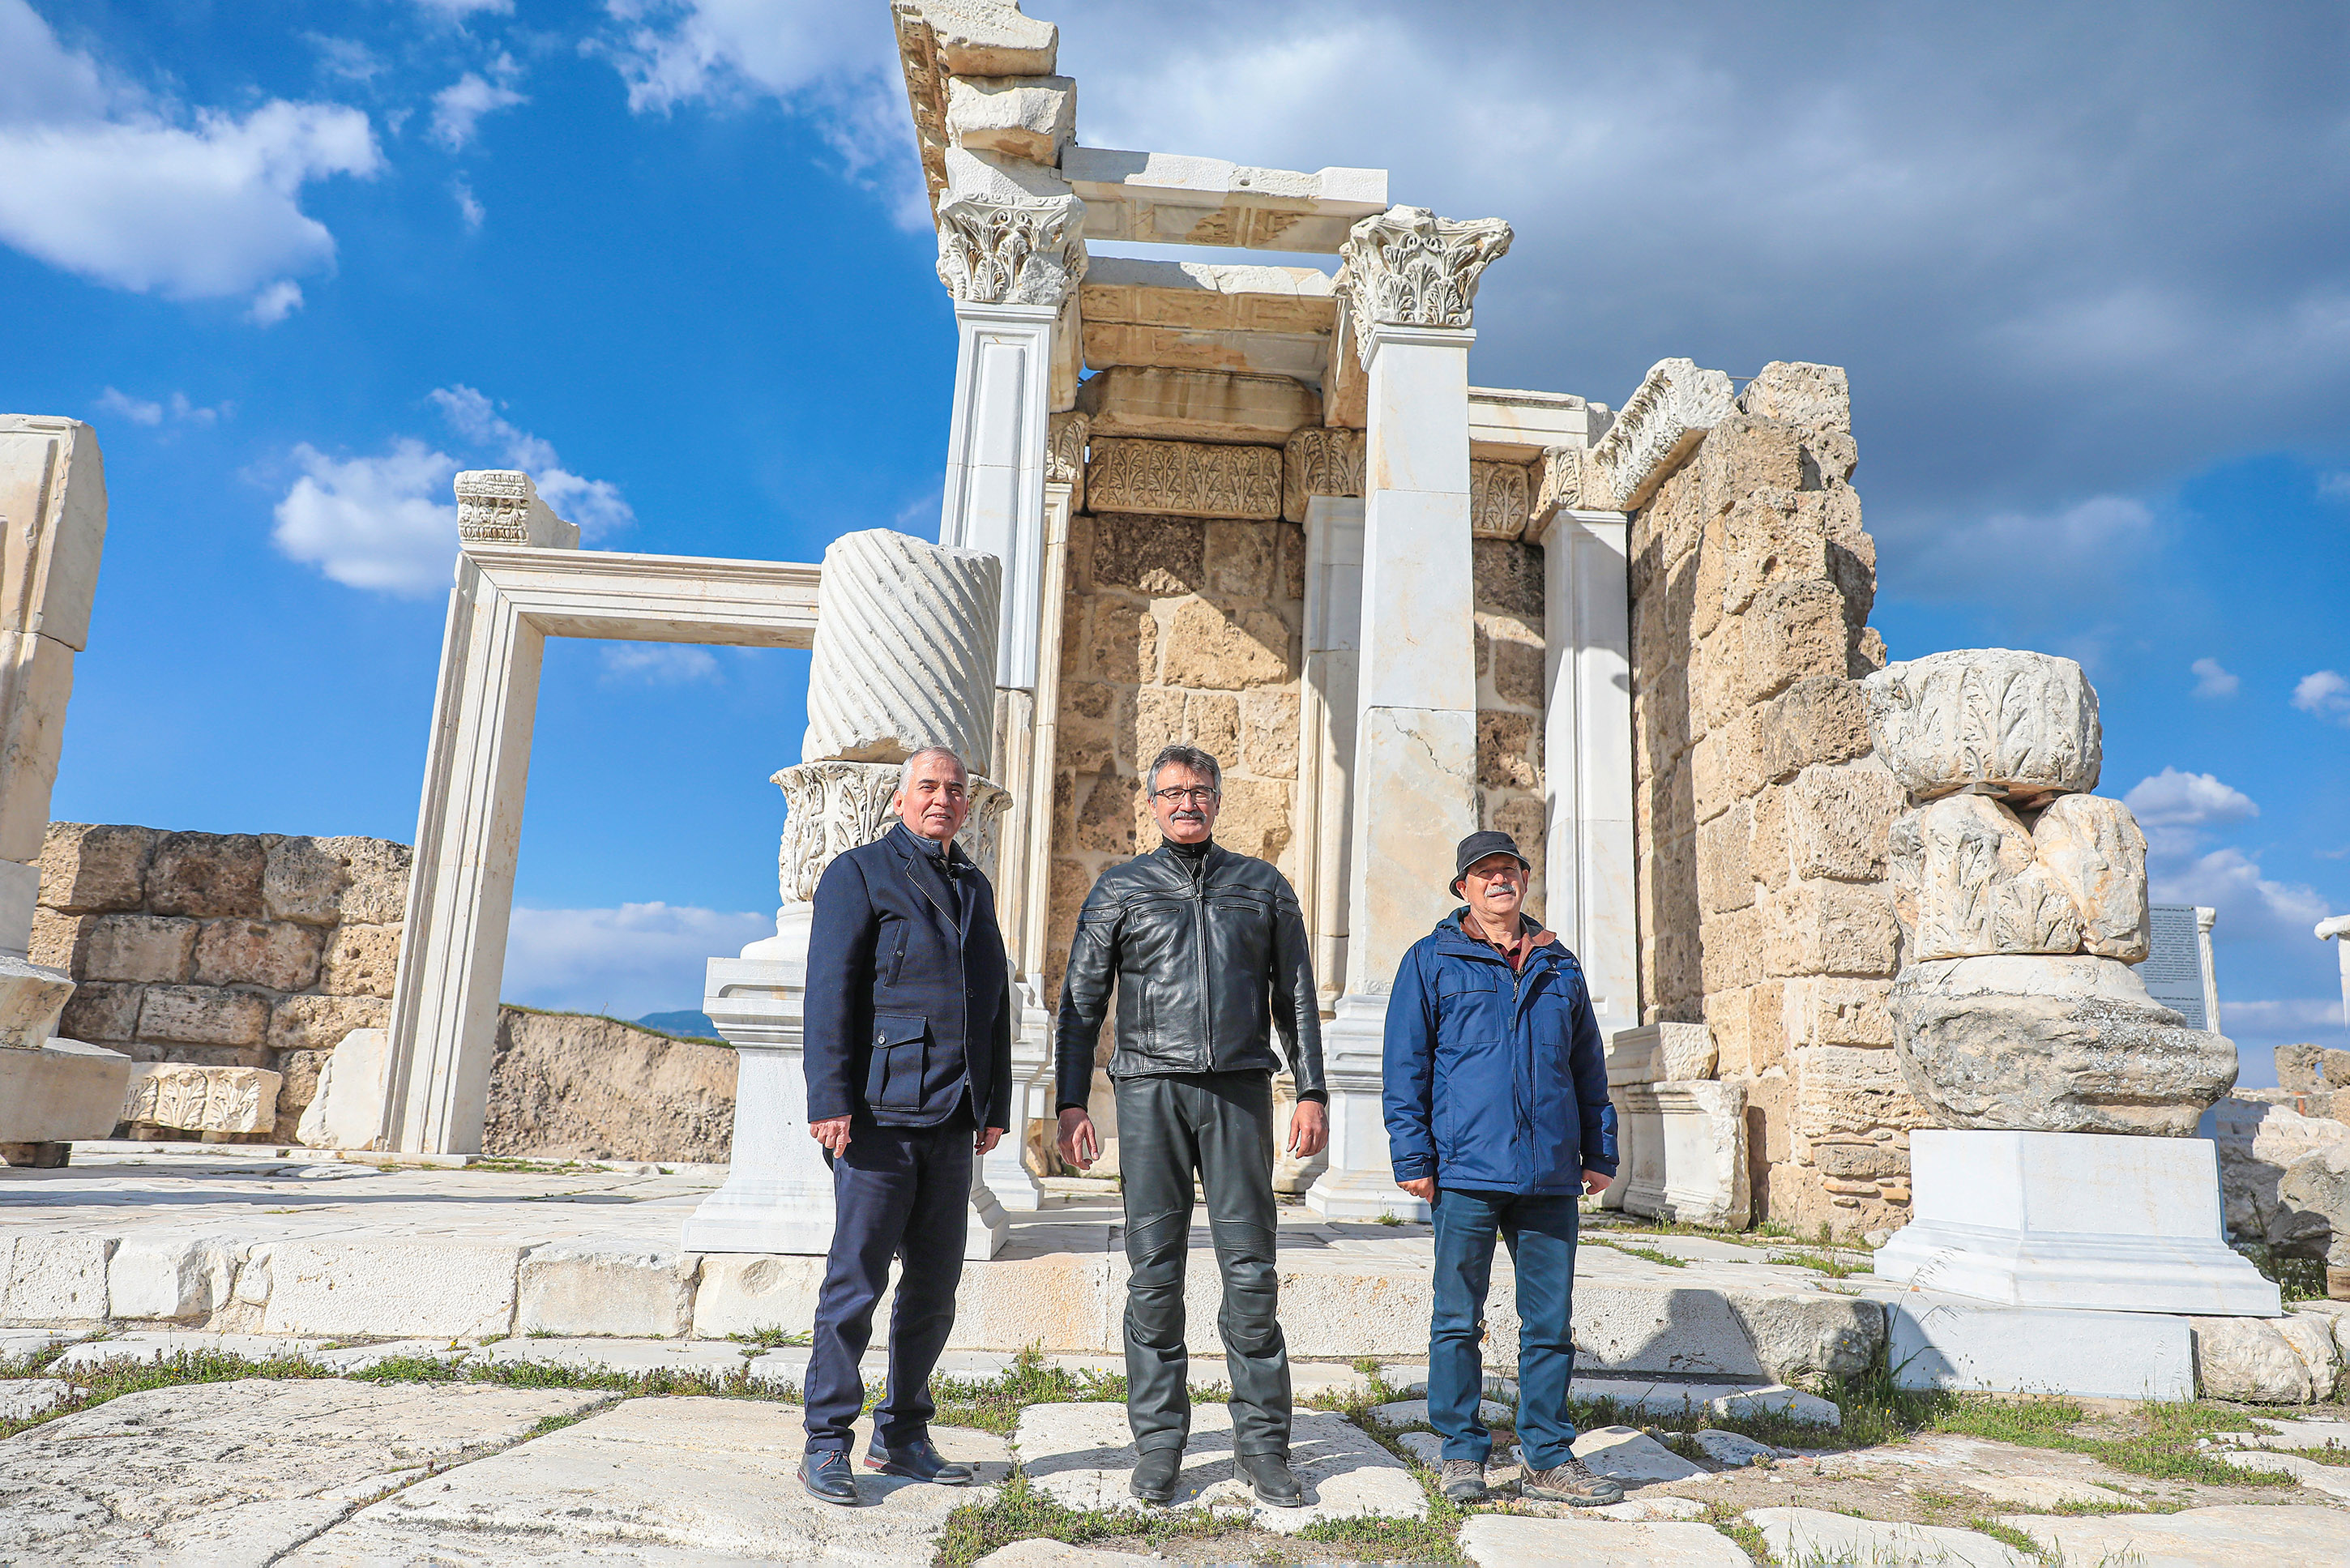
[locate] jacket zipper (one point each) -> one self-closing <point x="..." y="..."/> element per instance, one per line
<point x="1207" y="1002"/>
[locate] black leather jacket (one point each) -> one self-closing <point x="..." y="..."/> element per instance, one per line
<point x="1198" y="965"/>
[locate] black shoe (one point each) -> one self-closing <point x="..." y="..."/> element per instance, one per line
<point x="1154" y="1475"/>
<point x="826" y="1474"/>
<point x="919" y="1458"/>
<point x="1276" y="1486"/>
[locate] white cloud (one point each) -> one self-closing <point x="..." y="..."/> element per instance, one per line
<point x="2305" y="1017"/>
<point x="2096" y="541"/>
<point x="469" y="207"/>
<point x="373" y="522"/>
<point x="389" y="523"/>
<point x="457" y="109"/>
<point x="594" y="503"/>
<point x="2251" y="905"/>
<point x="345" y="58"/>
<point x="629" y="961"/>
<point x="275" y="303"/>
<point x="137" y="411"/>
<point x="659" y="663"/>
<point x="458" y="10"/>
<point x="2333" y="486"/>
<point x="2212" y="681"/>
<point x="2325" y="694"/>
<point x="104" y="184"/>
<point x="2174" y="799"/>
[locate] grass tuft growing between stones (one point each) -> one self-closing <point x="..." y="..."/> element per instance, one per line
<point x="1653" y="1254"/>
<point x="1834" y="1265"/>
<point x="994" y="1404"/>
<point x="1022" y="1511"/>
<point x="1742" y="1532"/>
<point x="773" y="1338"/>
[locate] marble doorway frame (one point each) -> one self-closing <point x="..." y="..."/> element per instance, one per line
<point x="507" y="600"/>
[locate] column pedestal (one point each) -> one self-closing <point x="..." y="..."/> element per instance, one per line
<point x="1360" y="1182"/>
<point x="777" y="1196"/>
<point x="2073" y="1220"/>
<point x="1015" y="1186"/>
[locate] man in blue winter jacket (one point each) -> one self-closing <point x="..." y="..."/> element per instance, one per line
<point x="1498" y="1118"/>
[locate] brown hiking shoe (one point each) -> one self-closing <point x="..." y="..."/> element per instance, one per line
<point x="1463" y="1481"/>
<point x="1570" y="1482"/>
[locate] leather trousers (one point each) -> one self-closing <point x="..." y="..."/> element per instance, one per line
<point x="1220" y="1124"/>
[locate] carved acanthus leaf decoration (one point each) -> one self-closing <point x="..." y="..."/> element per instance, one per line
<point x="1408" y="267"/>
<point x="1497" y="499"/>
<point x="1319" y="461"/>
<point x="1184" y="478"/>
<point x="1064" y="455"/>
<point x="1000" y="252"/>
<point x="1661" y="424"/>
<point x="834" y="808"/>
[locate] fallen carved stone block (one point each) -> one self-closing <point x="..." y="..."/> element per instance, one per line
<point x="2052" y="1044"/>
<point x="2024" y="723"/>
<point x="191" y="1098"/>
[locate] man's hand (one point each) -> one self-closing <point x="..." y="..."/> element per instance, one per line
<point x="1080" y="1147"/>
<point x="832" y="1132"/>
<point x="1309" y="1128"/>
<point x="987" y="1140"/>
<point x="1424" y="1188"/>
<point x="1595" y="1182"/>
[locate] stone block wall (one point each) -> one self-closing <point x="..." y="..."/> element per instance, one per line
<point x="225" y="950"/>
<point x="1508" y="634"/>
<point x="1761" y="814"/>
<point x="1175" y="630"/>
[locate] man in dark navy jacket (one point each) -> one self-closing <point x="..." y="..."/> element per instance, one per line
<point x="1497" y="1113"/>
<point x="909" y="1057"/>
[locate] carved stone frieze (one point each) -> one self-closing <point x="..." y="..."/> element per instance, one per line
<point x="1408" y="267"/>
<point x="1064" y="455"/>
<point x="1497" y="499"/>
<point x="193" y="1098"/>
<point x="1319" y="461"/>
<point x="2023" y="723"/>
<point x="1012" y="253"/>
<point x="836" y="807"/>
<point x="1661" y="424"/>
<point x="1184" y="478"/>
<point x="501" y="506"/>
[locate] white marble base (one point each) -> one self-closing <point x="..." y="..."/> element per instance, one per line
<point x="1359" y="1183"/>
<point x="2073" y="1220"/>
<point x="61" y="1091"/>
<point x="2034" y="1350"/>
<point x="1015" y="1186"/>
<point x="778" y="1192"/>
<point x="987" y="1227"/>
<point x="1683" y="1152"/>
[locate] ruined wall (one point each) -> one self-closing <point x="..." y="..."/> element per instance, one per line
<point x="1175" y="630"/>
<point x="1509" y="633"/>
<point x="225" y="949"/>
<point x="1761" y="813"/>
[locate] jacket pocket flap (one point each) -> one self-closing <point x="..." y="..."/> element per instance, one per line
<point x="898" y="1028"/>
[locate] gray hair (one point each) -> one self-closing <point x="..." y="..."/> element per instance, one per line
<point x="906" y="769"/>
<point x="1190" y="757"/>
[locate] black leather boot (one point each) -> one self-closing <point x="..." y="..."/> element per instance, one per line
<point x="919" y="1459"/>
<point x="1155" y="1473"/>
<point x="1277" y="1485"/>
<point x="825" y="1472"/>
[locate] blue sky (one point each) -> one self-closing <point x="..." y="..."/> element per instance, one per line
<point x="300" y="263"/>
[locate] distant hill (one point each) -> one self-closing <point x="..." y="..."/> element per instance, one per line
<point x="692" y="1025"/>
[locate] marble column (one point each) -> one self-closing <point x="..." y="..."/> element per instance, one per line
<point x="1407" y="285"/>
<point x="1588" y="736"/>
<point x="1010" y="253"/>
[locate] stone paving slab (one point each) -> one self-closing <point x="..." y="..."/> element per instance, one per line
<point x="1509" y="1540"/>
<point x="2230" y="1537"/>
<point x="1630" y="1457"/>
<point x="1815" y="1535"/>
<point x="711" y="1357"/>
<point x="1082" y="1455"/>
<point x="661" y="1480"/>
<point x="366" y="1357"/>
<point x="1414" y="1413"/>
<point x="2334" y="1481"/>
<point x="1058" y="1554"/>
<point x="2321" y="1433"/>
<point x="239" y="1472"/>
<point x="17" y="1344"/>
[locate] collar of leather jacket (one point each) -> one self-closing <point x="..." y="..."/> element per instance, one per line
<point x="1168" y="863"/>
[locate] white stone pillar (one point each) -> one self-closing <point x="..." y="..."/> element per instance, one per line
<point x="1409" y="281"/>
<point x="1587" y="738"/>
<point x="444" y="1006"/>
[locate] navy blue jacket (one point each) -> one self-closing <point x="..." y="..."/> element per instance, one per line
<point x="898" y="986"/>
<point x="1495" y="1082"/>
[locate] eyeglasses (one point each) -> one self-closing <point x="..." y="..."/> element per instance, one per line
<point x="1197" y="794"/>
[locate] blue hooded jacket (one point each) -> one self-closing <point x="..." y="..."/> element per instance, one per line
<point x="1495" y="1081"/>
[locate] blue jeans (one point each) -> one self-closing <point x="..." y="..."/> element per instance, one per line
<point x="1541" y="1232"/>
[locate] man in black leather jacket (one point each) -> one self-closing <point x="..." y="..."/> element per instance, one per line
<point x="1201" y="944"/>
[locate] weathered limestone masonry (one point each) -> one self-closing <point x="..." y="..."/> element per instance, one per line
<point x="1761" y="814"/>
<point x="235" y="951"/>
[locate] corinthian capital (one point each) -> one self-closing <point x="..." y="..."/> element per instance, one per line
<point x="1005" y="252"/>
<point x="1408" y="267"/>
